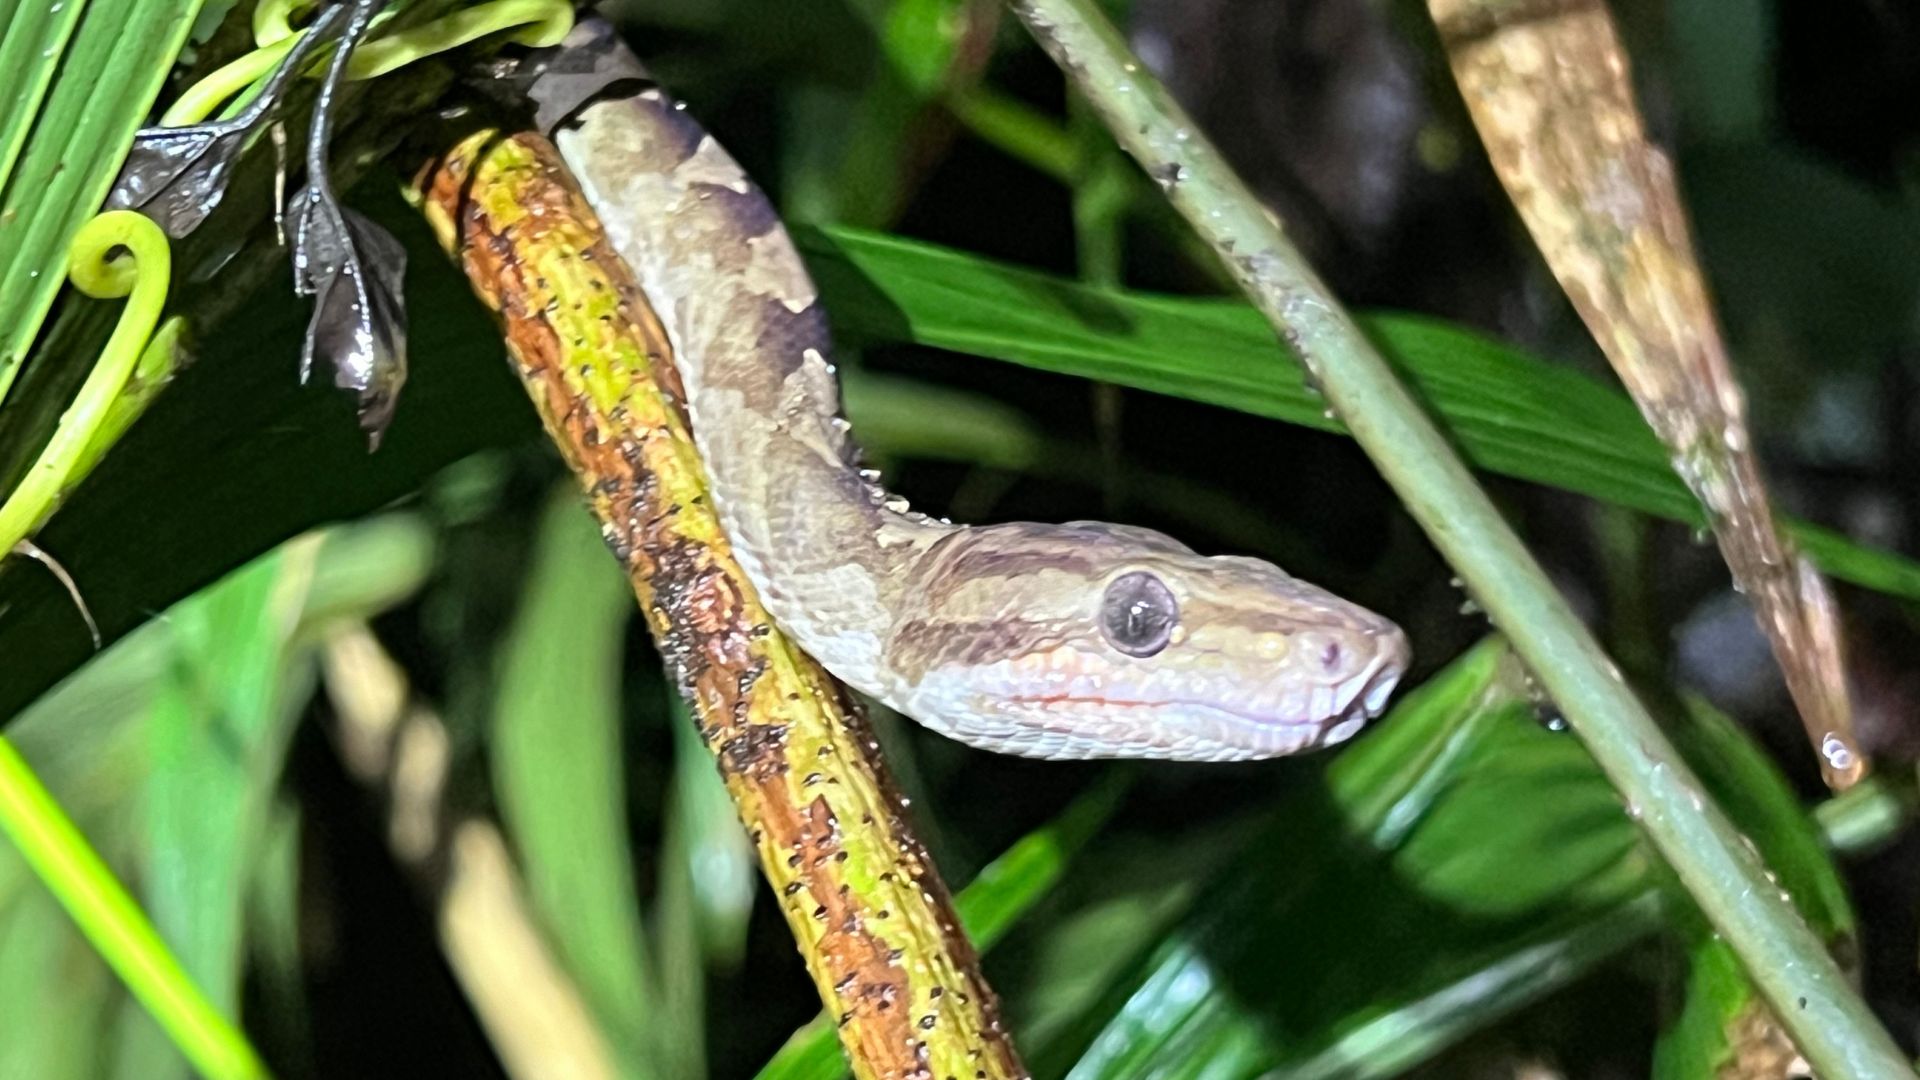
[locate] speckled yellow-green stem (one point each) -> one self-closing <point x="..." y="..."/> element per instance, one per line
<point x="871" y="916"/>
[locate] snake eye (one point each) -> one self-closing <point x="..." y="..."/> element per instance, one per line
<point x="1138" y="614"/>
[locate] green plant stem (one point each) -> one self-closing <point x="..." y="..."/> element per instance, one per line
<point x="1017" y="131"/>
<point x="1830" y="1024"/>
<point x="114" y="923"/>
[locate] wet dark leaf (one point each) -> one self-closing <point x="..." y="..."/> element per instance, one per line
<point x="176" y="176"/>
<point x="354" y="269"/>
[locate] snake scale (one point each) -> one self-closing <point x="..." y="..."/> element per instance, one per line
<point x="1082" y="640"/>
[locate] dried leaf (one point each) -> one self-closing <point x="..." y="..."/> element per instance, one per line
<point x="355" y="270"/>
<point x="1554" y="104"/>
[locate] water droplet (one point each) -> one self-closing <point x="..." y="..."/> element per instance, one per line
<point x="1181" y="135"/>
<point x="1470" y="607"/>
<point x="1838" y="754"/>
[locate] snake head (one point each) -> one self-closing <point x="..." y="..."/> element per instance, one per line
<point x="1095" y="640"/>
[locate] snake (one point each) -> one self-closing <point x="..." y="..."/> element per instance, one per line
<point x="1071" y="641"/>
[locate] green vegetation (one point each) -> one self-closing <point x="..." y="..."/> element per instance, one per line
<point x="1459" y="890"/>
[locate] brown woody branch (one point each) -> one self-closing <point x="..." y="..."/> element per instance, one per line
<point x="871" y="916"/>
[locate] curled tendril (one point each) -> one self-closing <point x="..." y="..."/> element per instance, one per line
<point x="273" y="20"/>
<point x="537" y="24"/>
<point x="541" y="23"/>
<point x="119" y="253"/>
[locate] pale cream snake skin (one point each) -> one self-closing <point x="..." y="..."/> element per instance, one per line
<point x="1082" y="640"/>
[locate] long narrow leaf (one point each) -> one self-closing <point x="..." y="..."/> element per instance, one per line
<point x="559" y="771"/>
<point x="33" y="38"/>
<point x="1512" y="414"/>
<point x="75" y="149"/>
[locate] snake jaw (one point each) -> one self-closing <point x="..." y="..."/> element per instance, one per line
<point x="1074" y="700"/>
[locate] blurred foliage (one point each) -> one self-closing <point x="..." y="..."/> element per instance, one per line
<point x="1457" y="893"/>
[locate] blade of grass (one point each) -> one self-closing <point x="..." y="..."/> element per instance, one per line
<point x="31" y="47"/>
<point x="1511" y="413"/>
<point x="1459" y="863"/>
<point x="75" y="150"/>
<point x="54" y="987"/>
<point x="216" y="733"/>
<point x="559" y="771"/>
<point x="110" y="918"/>
<point x="1832" y="1026"/>
<point x="157" y="747"/>
<point x="213" y="736"/>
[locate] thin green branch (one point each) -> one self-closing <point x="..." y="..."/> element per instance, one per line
<point x="114" y="923"/>
<point x="1829" y="1022"/>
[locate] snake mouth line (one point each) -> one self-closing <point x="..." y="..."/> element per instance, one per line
<point x="1360" y="698"/>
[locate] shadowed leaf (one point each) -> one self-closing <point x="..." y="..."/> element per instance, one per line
<point x="355" y="270"/>
<point x="177" y="175"/>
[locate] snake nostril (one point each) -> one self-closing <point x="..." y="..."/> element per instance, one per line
<point x="1330" y="654"/>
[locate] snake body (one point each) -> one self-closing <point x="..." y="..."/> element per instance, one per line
<point x="1080" y="640"/>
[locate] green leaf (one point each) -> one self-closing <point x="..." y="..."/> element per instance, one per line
<point x="1457" y="862"/>
<point x="1722" y="1014"/>
<point x="55" y="988"/>
<point x="1512" y="414"/>
<point x="237" y="456"/>
<point x="558" y="767"/>
<point x="218" y="729"/>
<point x="855" y="164"/>
<point x="217" y="732"/>
<point x="74" y="150"/>
<point x="165" y="748"/>
<point x="709" y="879"/>
<point x="32" y="43"/>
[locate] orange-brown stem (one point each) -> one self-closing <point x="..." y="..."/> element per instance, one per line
<point x="866" y="906"/>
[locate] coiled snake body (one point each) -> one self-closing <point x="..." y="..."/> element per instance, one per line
<point x="1058" y="641"/>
